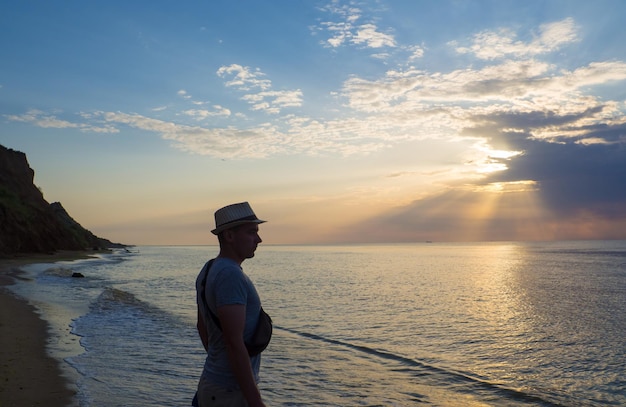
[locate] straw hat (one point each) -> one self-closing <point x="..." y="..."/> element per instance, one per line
<point x="234" y="215"/>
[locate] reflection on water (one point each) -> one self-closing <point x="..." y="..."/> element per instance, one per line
<point x="496" y="324"/>
<point x="498" y="313"/>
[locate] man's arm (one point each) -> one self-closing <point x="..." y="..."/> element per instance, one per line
<point x="201" y="326"/>
<point x="233" y="320"/>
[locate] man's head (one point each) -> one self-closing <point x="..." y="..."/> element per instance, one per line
<point x="237" y="229"/>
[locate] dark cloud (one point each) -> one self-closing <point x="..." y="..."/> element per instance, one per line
<point x="572" y="176"/>
<point x="580" y="188"/>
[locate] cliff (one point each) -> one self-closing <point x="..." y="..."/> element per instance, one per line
<point x="28" y="223"/>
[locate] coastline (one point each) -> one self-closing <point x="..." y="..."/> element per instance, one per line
<point x="28" y="375"/>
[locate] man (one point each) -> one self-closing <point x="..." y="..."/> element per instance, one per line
<point x="230" y="375"/>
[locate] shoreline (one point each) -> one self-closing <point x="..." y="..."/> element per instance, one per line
<point x="28" y="374"/>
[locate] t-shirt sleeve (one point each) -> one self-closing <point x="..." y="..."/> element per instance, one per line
<point x="230" y="287"/>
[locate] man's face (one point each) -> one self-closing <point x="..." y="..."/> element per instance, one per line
<point x="245" y="239"/>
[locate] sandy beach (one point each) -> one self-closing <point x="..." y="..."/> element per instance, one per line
<point x="28" y="376"/>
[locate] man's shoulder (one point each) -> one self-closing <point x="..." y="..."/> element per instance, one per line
<point x="225" y="268"/>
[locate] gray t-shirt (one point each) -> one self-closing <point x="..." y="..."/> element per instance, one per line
<point x="226" y="284"/>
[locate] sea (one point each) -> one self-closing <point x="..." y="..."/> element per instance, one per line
<point x="423" y="324"/>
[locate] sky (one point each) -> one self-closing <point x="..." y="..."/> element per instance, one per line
<point x="339" y="121"/>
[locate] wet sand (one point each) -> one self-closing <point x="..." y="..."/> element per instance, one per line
<point x="28" y="375"/>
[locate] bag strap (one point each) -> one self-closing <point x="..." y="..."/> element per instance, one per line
<point x="205" y="303"/>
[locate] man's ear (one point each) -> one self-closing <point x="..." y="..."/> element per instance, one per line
<point x="228" y="235"/>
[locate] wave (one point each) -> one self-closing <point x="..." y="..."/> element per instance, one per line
<point x="59" y="271"/>
<point x="113" y="296"/>
<point x="439" y="375"/>
<point x="120" y="305"/>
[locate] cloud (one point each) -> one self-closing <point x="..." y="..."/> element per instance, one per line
<point x="341" y="33"/>
<point x="183" y="93"/>
<point x="528" y="98"/>
<point x="515" y="82"/>
<point x="410" y="89"/>
<point x="301" y="135"/>
<point x="346" y="30"/>
<point x="551" y="191"/>
<point x="572" y="176"/>
<point x="41" y="119"/>
<point x="262" y="141"/>
<point x="201" y="114"/>
<point x="273" y="101"/>
<point x="264" y="98"/>
<point x="516" y="96"/>
<point x="223" y="143"/>
<point x="502" y="43"/>
<point x="561" y="143"/>
<point x="417" y="52"/>
<point x="368" y="34"/>
<point x="243" y="78"/>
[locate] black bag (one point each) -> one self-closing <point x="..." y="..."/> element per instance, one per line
<point x="262" y="334"/>
<point x="263" y="331"/>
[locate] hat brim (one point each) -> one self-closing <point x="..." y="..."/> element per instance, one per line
<point x="231" y="225"/>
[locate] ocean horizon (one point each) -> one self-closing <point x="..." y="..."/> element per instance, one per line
<point x="433" y="324"/>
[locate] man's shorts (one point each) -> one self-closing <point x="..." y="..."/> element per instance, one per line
<point x="211" y="395"/>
